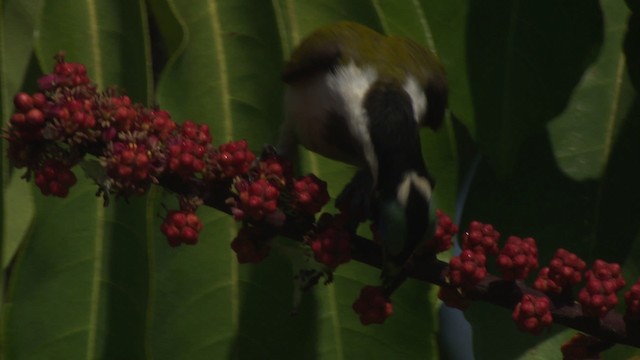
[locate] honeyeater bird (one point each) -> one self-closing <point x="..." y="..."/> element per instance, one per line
<point x="360" y="97"/>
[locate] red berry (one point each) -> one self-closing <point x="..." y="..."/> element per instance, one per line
<point x="598" y="297"/>
<point x="481" y="238"/>
<point x="372" y="306"/>
<point x="467" y="269"/>
<point x="35" y="118"/>
<point x="331" y="245"/>
<point x="517" y="258"/>
<point x="55" y="178"/>
<point x="181" y="227"/>
<point x="565" y="269"/>
<point x="532" y="313"/>
<point x="23" y="101"/>
<point x="309" y="194"/>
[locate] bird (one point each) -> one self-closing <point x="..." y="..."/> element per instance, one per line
<point x="360" y="97"/>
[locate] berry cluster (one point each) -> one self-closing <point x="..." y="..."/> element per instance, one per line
<point x="467" y="269"/>
<point x="181" y="227"/>
<point x="65" y="75"/>
<point x="532" y="313"/>
<point x="481" y="238"/>
<point x="632" y="299"/>
<point x="470" y="267"/>
<point x="251" y="245"/>
<point x="231" y="160"/>
<point x="310" y="194"/>
<point x="55" y="178"/>
<point x="331" y="244"/>
<point x="598" y="297"/>
<point x="518" y="257"/>
<point x="445" y="231"/>
<point x="187" y="150"/>
<point x="132" y="165"/>
<point x="53" y="129"/>
<point x="29" y="117"/>
<point x="373" y="306"/>
<point x="564" y="269"/>
<point x="274" y="168"/>
<point x="256" y="200"/>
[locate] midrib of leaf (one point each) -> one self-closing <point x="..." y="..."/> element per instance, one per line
<point x="235" y="280"/>
<point x="615" y="103"/>
<point x="150" y="215"/>
<point x="95" y="283"/>
<point x="426" y="28"/>
<point x="293" y="23"/>
<point x="216" y="31"/>
<point x="96" y="50"/>
<point x="4" y="104"/>
<point x="98" y="75"/>
<point x="144" y="10"/>
<point x="381" y="17"/>
<point x="283" y="33"/>
<point x="227" y="120"/>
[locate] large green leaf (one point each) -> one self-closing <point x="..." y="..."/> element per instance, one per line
<point x="79" y="286"/>
<point x="17" y="72"/>
<point x="524" y="59"/>
<point x="584" y="133"/>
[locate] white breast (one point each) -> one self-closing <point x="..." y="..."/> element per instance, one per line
<point x="309" y="104"/>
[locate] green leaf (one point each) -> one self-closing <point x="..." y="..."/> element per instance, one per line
<point x="584" y="133"/>
<point x="80" y="280"/>
<point x="18" y="216"/>
<point x="524" y="60"/>
<point x="16" y="71"/>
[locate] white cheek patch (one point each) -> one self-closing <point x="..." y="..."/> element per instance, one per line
<point x="420" y="183"/>
<point x="418" y="99"/>
<point x="351" y="83"/>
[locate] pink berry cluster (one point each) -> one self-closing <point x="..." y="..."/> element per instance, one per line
<point x="481" y="238"/>
<point x="187" y="150"/>
<point x="53" y="130"/>
<point x="331" y="243"/>
<point x="132" y="165"/>
<point x="445" y="231"/>
<point x="232" y="159"/>
<point x="467" y="269"/>
<point x="373" y="306"/>
<point x="632" y="299"/>
<point x="598" y="297"/>
<point x="470" y="267"/>
<point x="565" y="269"/>
<point x="181" y="227"/>
<point x="310" y="194"/>
<point x="251" y="245"/>
<point x="55" y="178"/>
<point x="532" y="313"/>
<point x="268" y="192"/>
<point x="256" y="199"/>
<point x="517" y="258"/>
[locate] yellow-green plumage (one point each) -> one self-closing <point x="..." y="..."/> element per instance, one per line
<point x="394" y="58"/>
